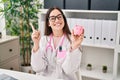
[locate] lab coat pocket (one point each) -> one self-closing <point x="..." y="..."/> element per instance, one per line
<point x="61" y="54"/>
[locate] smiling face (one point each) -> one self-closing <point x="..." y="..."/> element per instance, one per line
<point x="56" y="21"/>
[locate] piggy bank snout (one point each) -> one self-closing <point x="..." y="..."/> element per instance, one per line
<point x="78" y="30"/>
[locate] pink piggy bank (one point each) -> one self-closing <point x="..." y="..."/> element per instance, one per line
<point x="78" y="30"/>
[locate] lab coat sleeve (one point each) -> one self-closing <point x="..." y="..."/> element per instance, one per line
<point x="38" y="61"/>
<point x="72" y="61"/>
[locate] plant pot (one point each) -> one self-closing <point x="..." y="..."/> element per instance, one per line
<point x="104" y="71"/>
<point x="89" y="67"/>
<point x="27" y="69"/>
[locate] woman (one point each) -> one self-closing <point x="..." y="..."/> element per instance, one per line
<point x="58" y="53"/>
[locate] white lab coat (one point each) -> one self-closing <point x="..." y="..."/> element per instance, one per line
<point x="47" y="64"/>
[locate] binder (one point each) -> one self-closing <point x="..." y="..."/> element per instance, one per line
<point x="105" y="31"/>
<point x="73" y="22"/>
<point x="98" y="31"/>
<point x="112" y="33"/>
<point x="69" y="22"/>
<point x="83" y="22"/>
<point x="78" y="22"/>
<point x="90" y="31"/>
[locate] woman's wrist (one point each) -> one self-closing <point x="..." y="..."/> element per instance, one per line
<point x="35" y="48"/>
<point x="72" y="47"/>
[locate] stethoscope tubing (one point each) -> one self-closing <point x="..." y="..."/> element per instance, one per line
<point x="49" y="43"/>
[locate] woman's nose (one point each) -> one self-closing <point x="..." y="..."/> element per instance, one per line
<point x="56" y="19"/>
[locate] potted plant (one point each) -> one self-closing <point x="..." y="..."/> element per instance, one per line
<point x="104" y="69"/>
<point x="18" y="15"/>
<point x="89" y="66"/>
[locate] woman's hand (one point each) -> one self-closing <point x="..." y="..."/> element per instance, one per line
<point x="76" y="40"/>
<point x="36" y="38"/>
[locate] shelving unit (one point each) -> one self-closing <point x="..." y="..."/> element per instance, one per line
<point x="96" y="54"/>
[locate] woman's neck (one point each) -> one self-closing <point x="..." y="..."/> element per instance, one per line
<point x="58" y="33"/>
<point x="56" y="38"/>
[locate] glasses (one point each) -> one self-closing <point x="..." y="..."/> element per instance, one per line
<point x="53" y="18"/>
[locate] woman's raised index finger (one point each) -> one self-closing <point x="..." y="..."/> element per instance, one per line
<point x="32" y="27"/>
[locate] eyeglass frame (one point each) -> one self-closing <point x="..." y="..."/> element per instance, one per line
<point x="54" y="17"/>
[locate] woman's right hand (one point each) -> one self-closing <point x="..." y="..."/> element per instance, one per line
<point x="36" y="38"/>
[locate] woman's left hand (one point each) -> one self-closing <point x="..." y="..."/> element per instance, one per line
<point x="76" y="40"/>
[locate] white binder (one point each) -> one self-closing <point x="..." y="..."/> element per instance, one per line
<point x="90" y="31"/>
<point x="105" y="31"/>
<point x="98" y="31"/>
<point x="77" y="21"/>
<point x="83" y="22"/>
<point x="69" y="22"/>
<point x="73" y="23"/>
<point x="112" y="32"/>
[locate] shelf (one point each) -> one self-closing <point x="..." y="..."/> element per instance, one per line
<point x="97" y="74"/>
<point x="99" y="46"/>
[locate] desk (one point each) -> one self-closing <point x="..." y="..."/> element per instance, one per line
<point x="24" y="76"/>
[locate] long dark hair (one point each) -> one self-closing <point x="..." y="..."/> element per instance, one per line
<point x="48" y="29"/>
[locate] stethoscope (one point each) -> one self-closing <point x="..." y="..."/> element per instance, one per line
<point x="49" y="46"/>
